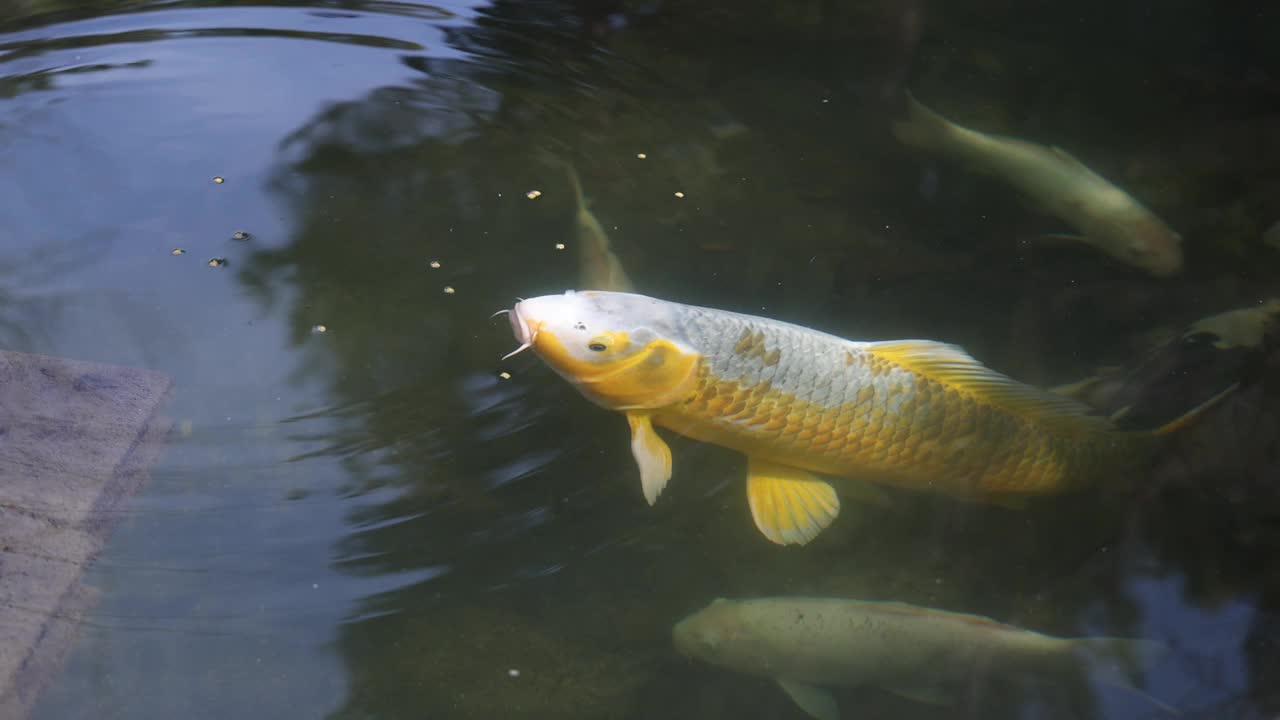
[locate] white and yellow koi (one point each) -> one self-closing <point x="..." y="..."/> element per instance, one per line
<point x="799" y="402"/>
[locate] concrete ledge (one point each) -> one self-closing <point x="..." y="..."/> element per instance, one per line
<point x="76" y="440"/>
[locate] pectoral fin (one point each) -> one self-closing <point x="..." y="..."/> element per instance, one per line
<point x="651" y="454"/>
<point x="1120" y="414"/>
<point x="790" y="506"/>
<point x="813" y="700"/>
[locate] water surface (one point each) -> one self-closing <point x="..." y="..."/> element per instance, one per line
<point x="370" y="522"/>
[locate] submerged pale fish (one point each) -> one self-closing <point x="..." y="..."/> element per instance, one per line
<point x="912" y="413"/>
<point x="598" y="266"/>
<point x="808" y="644"/>
<point x="1106" y="216"/>
<point x="1243" y="327"/>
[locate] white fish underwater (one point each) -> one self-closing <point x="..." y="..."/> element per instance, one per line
<point x="598" y="265"/>
<point x="808" y="644"/>
<point x="1107" y="217"/>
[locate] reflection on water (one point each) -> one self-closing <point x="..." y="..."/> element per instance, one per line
<point x="372" y="522"/>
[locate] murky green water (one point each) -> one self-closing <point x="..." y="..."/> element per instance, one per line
<point x="370" y="522"/>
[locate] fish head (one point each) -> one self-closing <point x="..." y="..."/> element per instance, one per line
<point x="720" y="634"/>
<point x="622" y="351"/>
<point x="1146" y="242"/>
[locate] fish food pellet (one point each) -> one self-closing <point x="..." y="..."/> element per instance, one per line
<point x="448" y="290"/>
<point x="218" y="179"/>
<point x="533" y="194"/>
<point x="559" y="246"/>
<point x="240" y="235"/>
<point x="177" y="251"/>
<point x="435" y="264"/>
<point x="217" y="262"/>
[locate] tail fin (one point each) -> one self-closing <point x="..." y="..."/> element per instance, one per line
<point x="1129" y="650"/>
<point x="923" y="129"/>
<point x="576" y="184"/>
<point x="552" y="158"/>
<point x="1118" y="660"/>
<point x="1191" y="416"/>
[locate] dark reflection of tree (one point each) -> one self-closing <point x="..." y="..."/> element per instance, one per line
<point x="523" y="499"/>
<point x="42" y="10"/>
<point x="437" y="168"/>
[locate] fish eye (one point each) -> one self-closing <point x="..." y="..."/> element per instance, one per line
<point x="608" y="343"/>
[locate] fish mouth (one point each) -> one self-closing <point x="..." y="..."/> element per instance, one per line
<point x="519" y="326"/>
<point x="525" y="330"/>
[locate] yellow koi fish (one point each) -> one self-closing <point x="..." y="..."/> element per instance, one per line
<point x="1106" y="216"/>
<point x="799" y="402"/>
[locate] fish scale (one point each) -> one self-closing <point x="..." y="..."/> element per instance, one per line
<point x="834" y="406"/>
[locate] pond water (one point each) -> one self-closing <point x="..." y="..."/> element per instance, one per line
<point x="357" y="515"/>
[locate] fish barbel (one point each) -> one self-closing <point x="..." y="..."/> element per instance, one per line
<point x="911" y="413"/>
<point x="809" y="644"/>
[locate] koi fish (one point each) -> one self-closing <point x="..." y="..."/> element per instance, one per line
<point x="808" y="644"/>
<point x="1241" y="328"/>
<point x="598" y="266"/>
<point x="1177" y="364"/>
<point x="1106" y="217"/>
<point x="799" y="402"/>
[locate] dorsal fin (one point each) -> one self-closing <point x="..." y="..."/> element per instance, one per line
<point x="902" y="608"/>
<point x="1065" y="155"/>
<point x="951" y="366"/>
<point x="576" y="184"/>
<point x="1074" y="162"/>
